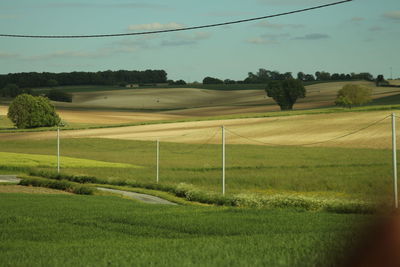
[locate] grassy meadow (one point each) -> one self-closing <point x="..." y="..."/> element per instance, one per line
<point x="331" y="172"/>
<point x="70" y="230"/>
<point x="271" y="187"/>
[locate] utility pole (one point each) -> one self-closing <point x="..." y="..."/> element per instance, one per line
<point x="58" y="149"/>
<point x="391" y="73"/>
<point x="394" y="147"/>
<point x="158" y="160"/>
<point x="223" y="160"/>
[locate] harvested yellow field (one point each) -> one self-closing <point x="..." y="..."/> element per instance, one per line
<point x="111" y="117"/>
<point x="140" y="105"/>
<point x="162" y="98"/>
<point x="394" y="82"/>
<point x="167" y="103"/>
<point x="29" y="190"/>
<point x="3" y="110"/>
<point x="290" y="130"/>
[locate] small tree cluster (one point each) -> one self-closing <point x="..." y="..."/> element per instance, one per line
<point x="353" y="95"/>
<point x="211" y="80"/>
<point x="178" y="82"/>
<point x="28" y="111"/>
<point x="57" y="95"/>
<point x="13" y="90"/>
<point x="285" y="93"/>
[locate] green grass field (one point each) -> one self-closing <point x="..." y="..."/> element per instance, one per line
<point x="60" y="230"/>
<point x="331" y="172"/>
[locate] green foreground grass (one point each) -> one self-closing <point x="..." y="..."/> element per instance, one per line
<point x="315" y="173"/>
<point x="58" y="230"/>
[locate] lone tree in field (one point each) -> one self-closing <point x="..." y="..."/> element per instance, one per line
<point x="28" y="111"/>
<point x="286" y="92"/>
<point x="353" y="95"/>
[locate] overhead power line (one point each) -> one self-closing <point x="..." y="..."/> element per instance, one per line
<point x="172" y="30"/>
<point x="313" y="143"/>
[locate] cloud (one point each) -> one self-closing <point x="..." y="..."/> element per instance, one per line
<point x="375" y="29"/>
<point x="268" y="38"/>
<point x="228" y="14"/>
<point x="8" y="16"/>
<point x="99" y="5"/>
<point x="129" y="45"/>
<point x="4" y="55"/>
<point x="394" y="15"/>
<point x="68" y="54"/>
<point x="155" y="26"/>
<point x="184" y="39"/>
<point x="357" y="19"/>
<point x="290" y="2"/>
<point x="261" y="41"/>
<point x="312" y="37"/>
<point x="267" y="24"/>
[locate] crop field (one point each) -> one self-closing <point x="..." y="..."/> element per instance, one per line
<point x="179" y="101"/>
<point x="54" y="230"/>
<point x="370" y="129"/>
<point x="48" y="161"/>
<point x="29" y="190"/>
<point x="343" y="173"/>
<point x="112" y="106"/>
<point x="278" y="165"/>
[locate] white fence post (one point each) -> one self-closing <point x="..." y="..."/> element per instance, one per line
<point x="158" y="160"/>
<point x="223" y="160"/>
<point x="394" y="154"/>
<point x="58" y="149"/>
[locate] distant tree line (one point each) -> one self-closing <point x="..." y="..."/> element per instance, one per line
<point x="265" y="76"/>
<point x="36" y="79"/>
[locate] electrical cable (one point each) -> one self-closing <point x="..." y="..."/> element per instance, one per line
<point x="195" y="149"/>
<point x="172" y="30"/>
<point x="314" y="143"/>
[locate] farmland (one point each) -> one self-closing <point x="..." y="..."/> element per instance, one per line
<point x="326" y="172"/>
<point x="57" y="230"/>
<point x="278" y="165"/>
<point x="101" y="106"/>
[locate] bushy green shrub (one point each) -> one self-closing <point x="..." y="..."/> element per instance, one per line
<point x="57" y="184"/>
<point x="353" y="95"/>
<point x="28" y="111"/>
<point x="270" y="201"/>
<point x="58" y="95"/>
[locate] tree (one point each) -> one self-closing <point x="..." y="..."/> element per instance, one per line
<point x="11" y="90"/>
<point x="28" y="111"/>
<point x="309" y="78"/>
<point x="285" y="93"/>
<point x="353" y="95"/>
<point x="52" y="83"/>
<point x="57" y="95"/>
<point x="180" y="82"/>
<point x="229" y="81"/>
<point x="211" y="80"/>
<point x="380" y="80"/>
<point x="301" y="76"/>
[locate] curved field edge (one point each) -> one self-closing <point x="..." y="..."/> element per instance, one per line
<point x="187" y="192"/>
<point x="215" y="118"/>
<point x="8" y="159"/>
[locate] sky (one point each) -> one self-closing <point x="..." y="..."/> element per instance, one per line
<point x="358" y="36"/>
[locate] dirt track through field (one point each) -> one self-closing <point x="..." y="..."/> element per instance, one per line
<point x="290" y="130"/>
<point x="144" y="198"/>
